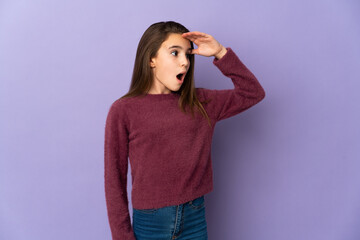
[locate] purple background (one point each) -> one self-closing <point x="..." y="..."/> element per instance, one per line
<point x="288" y="168"/>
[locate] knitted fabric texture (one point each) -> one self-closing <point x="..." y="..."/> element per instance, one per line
<point x="169" y="151"/>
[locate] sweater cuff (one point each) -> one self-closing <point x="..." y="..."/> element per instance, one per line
<point x="218" y="61"/>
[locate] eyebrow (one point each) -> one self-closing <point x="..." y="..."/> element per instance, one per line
<point x="176" y="46"/>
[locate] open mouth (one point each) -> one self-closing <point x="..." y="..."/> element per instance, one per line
<point x="181" y="76"/>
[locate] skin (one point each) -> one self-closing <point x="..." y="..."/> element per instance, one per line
<point x="170" y="62"/>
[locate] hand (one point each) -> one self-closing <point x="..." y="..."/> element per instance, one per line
<point x="207" y="44"/>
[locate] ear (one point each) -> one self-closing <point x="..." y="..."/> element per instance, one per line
<point x="152" y="63"/>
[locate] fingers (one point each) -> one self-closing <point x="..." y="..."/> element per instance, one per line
<point x="195" y="35"/>
<point x="195" y="51"/>
<point x="205" y="42"/>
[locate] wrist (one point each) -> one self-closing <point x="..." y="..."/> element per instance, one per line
<point x="221" y="53"/>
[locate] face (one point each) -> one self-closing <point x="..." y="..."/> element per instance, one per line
<point x="172" y="59"/>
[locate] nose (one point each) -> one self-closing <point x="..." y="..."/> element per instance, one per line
<point x="185" y="61"/>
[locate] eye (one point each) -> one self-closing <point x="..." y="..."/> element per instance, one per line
<point x="188" y="55"/>
<point x="175" y="52"/>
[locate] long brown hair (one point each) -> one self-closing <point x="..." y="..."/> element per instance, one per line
<point x="142" y="77"/>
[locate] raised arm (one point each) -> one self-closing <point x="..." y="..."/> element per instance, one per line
<point x="247" y="90"/>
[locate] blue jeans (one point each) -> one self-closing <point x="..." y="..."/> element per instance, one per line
<point x="184" y="221"/>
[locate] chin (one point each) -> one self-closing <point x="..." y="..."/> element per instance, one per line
<point x="175" y="89"/>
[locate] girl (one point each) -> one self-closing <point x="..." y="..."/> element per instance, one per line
<point x="168" y="148"/>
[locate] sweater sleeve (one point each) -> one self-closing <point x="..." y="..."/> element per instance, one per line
<point x="115" y="173"/>
<point x="246" y="93"/>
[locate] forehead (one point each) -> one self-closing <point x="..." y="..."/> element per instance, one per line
<point x="176" y="39"/>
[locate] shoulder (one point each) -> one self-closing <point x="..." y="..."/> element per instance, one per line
<point x="205" y="94"/>
<point x="118" y="109"/>
<point x="120" y="103"/>
<point x="124" y="103"/>
<point x="201" y="92"/>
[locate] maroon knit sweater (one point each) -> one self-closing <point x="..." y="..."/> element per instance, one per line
<point x="169" y="151"/>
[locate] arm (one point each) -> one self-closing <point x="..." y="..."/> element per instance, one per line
<point x="115" y="173"/>
<point x="246" y="93"/>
